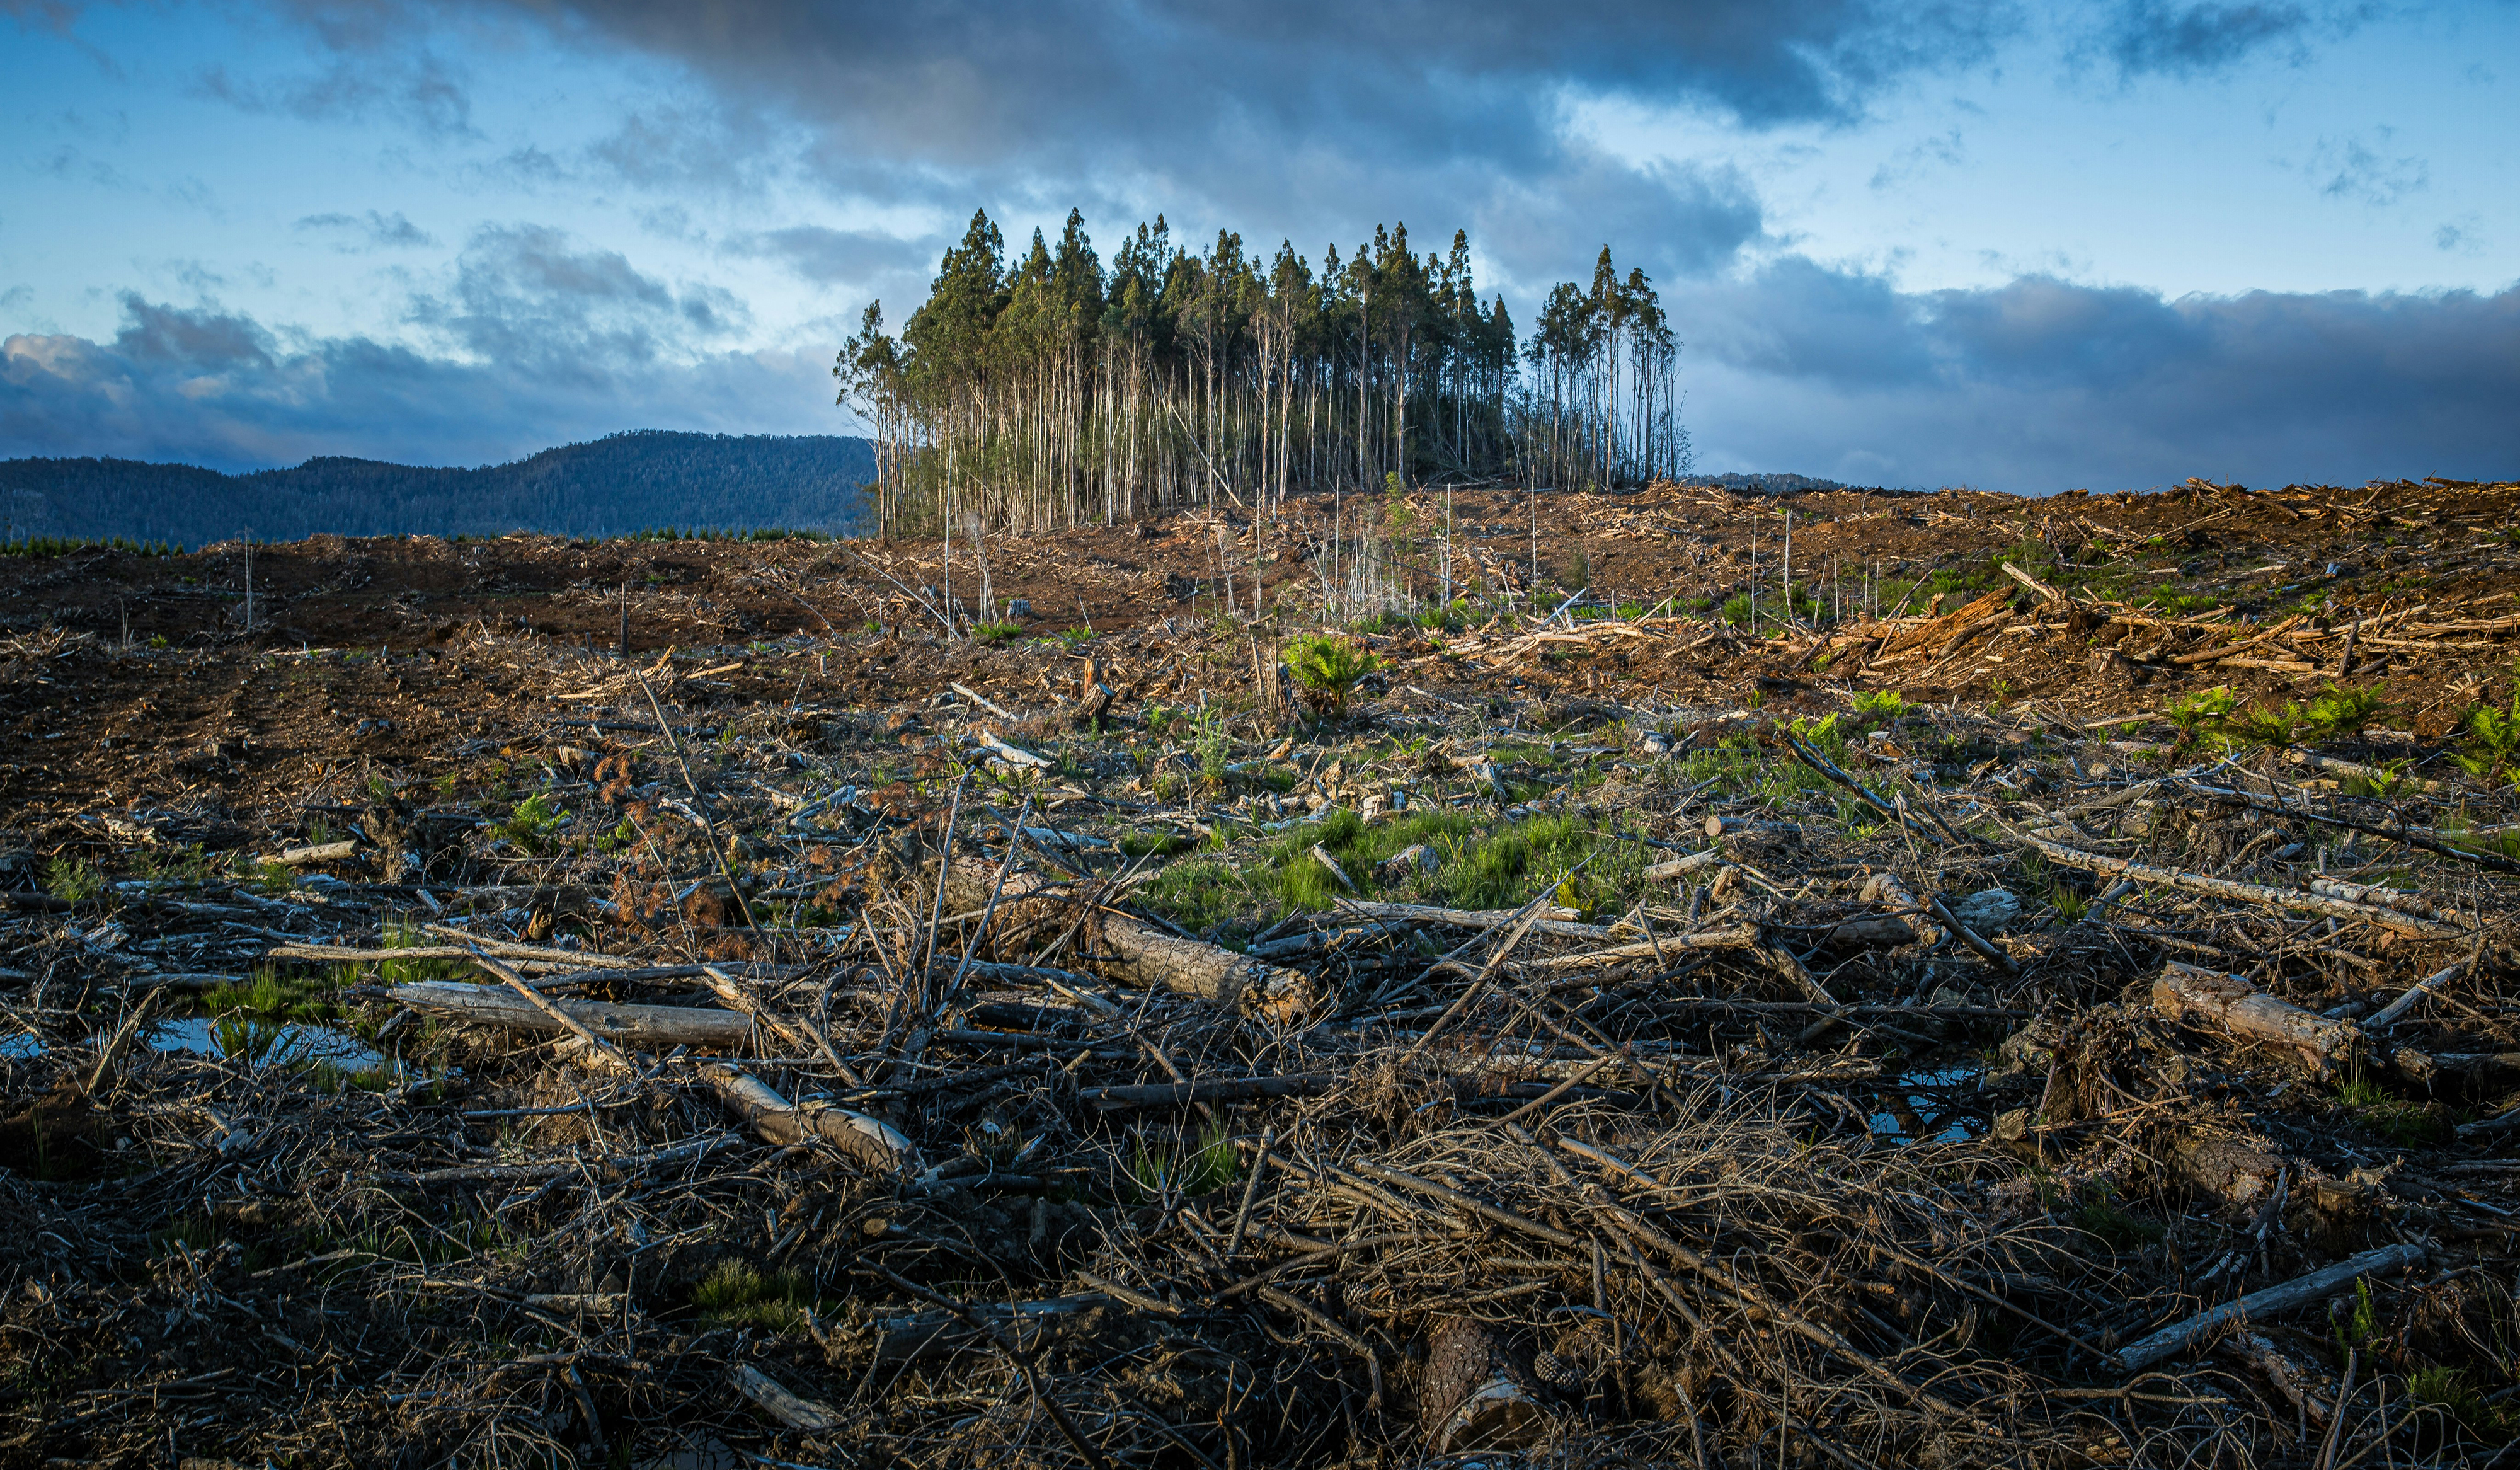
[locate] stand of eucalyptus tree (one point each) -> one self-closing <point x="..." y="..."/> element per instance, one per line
<point x="1055" y="391"/>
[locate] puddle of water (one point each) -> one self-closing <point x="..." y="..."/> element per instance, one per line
<point x="25" y="1047"/>
<point x="1929" y="1107"/>
<point x="292" y="1043"/>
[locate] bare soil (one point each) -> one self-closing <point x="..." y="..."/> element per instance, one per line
<point x="1755" y="1055"/>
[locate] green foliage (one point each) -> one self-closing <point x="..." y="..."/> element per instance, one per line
<point x="1881" y="706"/>
<point x="2492" y="739"/>
<point x="1208" y="734"/>
<point x="268" y="994"/>
<point x="996" y="633"/>
<point x="2070" y="903"/>
<point x="2388" y="1115"/>
<point x="532" y="822"/>
<point x="2342" y="710"/>
<point x="739" y="1294"/>
<point x="1736" y="610"/>
<point x="2361" y="1325"/>
<point x="1327" y="667"/>
<point x="73" y="880"/>
<point x="2201" y="716"/>
<point x="1075" y="638"/>
<point x="2447" y="1389"/>
<point x="1186" y="1167"/>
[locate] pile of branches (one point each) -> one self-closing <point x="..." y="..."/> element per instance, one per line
<point x="983" y="1160"/>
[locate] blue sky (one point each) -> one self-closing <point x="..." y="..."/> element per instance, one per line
<point x="1961" y="242"/>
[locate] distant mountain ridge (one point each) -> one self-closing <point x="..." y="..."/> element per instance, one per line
<point x="639" y="481"/>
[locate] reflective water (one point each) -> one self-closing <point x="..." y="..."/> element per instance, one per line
<point x="264" y="1043"/>
<point x="1930" y="1105"/>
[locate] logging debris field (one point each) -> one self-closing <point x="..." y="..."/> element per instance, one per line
<point x="1849" y="978"/>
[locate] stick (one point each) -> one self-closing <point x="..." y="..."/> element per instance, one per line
<point x="1522" y="926"/>
<point x="2259" y="1304"/>
<point x="610" y="1053"/>
<point x="2245" y="893"/>
<point x="1250" y="1193"/>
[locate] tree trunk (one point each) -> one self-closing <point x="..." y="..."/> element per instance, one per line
<point x="1139" y="954"/>
<point x="2232" y="1005"/>
<point x="630" y="1025"/>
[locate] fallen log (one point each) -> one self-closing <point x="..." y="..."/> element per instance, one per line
<point x="803" y="1415"/>
<point x="2191" y="992"/>
<point x="2245" y="893"/>
<point x="635" y="1025"/>
<point x="2258" y="1306"/>
<point x="1678" y="866"/>
<point x="873" y="1143"/>
<point x="2417" y="905"/>
<point x="1138" y="953"/>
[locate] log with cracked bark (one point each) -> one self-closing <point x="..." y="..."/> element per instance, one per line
<point x="1138" y="953"/>
<point x="2239" y="1009"/>
<point x="633" y="1025"/>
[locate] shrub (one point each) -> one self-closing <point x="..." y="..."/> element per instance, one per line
<point x="2492" y="739"/>
<point x="1327" y="667"/>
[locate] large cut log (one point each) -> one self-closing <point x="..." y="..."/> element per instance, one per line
<point x="869" y="1141"/>
<point x="1138" y="953"/>
<point x="634" y="1025"/>
<point x="2258" y="1306"/>
<point x="1473" y="1395"/>
<point x="2192" y="992"/>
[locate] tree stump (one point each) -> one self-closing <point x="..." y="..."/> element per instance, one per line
<point x="1473" y="1395"/>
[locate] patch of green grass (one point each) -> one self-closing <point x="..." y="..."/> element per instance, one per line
<point x="2390" y="1116"/>
<point x="268" y="994"/>
<point x="1881" y="706"/>
<point x="996" y="633"/>
<point x="2447" y="1390"/>
<point x="1186" y="1167"/>
<point x="740" y="1294"/>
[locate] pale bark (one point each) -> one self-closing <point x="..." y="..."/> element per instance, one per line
<point x="634" y="1025"/>
<point x="2258" y="1306"/>
<point x="2239" y="1009"/>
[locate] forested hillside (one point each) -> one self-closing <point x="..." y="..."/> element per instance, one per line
<point x="1050" y="391"/>
<point x="613" y="487"/>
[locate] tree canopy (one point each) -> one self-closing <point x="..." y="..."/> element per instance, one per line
<point x="1048" y="390"/>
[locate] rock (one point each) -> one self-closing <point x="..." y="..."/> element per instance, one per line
<point x="1988" y="913"/>
<point x="1018" y="607"/>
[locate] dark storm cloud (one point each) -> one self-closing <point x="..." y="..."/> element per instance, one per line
<point x="1274" y="119"/>
<point x="212" y="387"/>
<point x="2040" y="385"/>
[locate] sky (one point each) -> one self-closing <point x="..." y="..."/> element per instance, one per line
<point x="1962" y="241"/>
